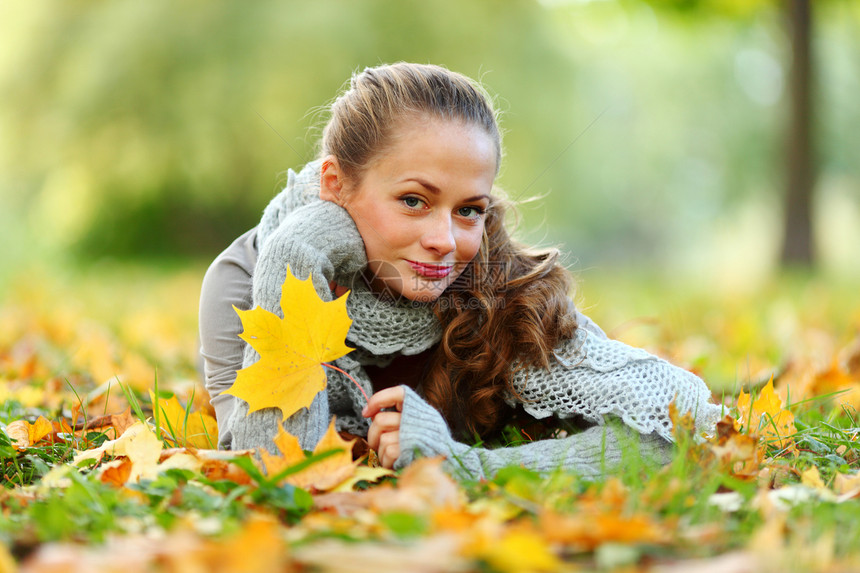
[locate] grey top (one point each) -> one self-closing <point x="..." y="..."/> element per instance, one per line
<point x="592" y="376"/>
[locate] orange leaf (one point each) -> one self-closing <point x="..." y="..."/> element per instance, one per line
<point x="292" y="349"/>
<point x="591" y="528"/>
<point x="123" y="421"/>
<point x="24" y="434"/>
<point x="319" y="476"/>
<point x="117" y="472"/>
<point x="736" y="450"/>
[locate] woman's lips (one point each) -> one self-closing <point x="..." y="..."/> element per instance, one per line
<point x="431" y="271"/>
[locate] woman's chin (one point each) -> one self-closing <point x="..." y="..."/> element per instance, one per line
<point x="420" y="293"/>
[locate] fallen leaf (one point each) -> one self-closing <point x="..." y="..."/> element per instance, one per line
<point x="114" y="425"/>
<point x="292" y="349"/>
<point x="592" y="527"/>
<point x="766" y="417"/>
<point x="214" y="464"/>
<point x="23" y="434"/>
<point x="116" y="472"/>
<point x="812" y="478"/>
<point x="521" y="549"/>
<point x="197" y="429"/>
<point x="363" y="473"/>
<point x="138" y="443"/>
<point x="422" y="488"/>
<point x="322" y="475"/>
<point x="738" y="451"/>
<point x="847" y="485"/>
<point x="143" y="449"/>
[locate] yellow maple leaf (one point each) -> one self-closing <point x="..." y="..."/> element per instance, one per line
<point x="197" y="430"/>
<point x="322" y="475"/>
<point x="292" y="349"/>
<point x="766" y="416"/>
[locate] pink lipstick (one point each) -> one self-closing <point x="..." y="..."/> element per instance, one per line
<point x="431" y="271"/>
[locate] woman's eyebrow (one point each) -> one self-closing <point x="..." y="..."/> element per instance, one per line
<point x="426" y="184"/>
<point x="435" y="190"/>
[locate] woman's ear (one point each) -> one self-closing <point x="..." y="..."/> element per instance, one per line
<point x="331" y="180"/>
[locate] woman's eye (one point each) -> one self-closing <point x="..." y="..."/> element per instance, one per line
<point x="412" y="202"/>
<point x="470" y="212"/>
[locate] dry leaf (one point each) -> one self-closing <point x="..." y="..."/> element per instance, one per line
<point x="363" y="473"/>
<point x="738" y="451"/>
<point x="289" y="373"/>
<point x="521" y="549"/>
<point x="593" y="527"/>
<point x="198" y="430"/>
<point x="847" y="486"/>
<point x="319" y="476"/>
<point x="114" y="425"/>
<point x="423" y="487"/>
<point x="23" y="434"/>
<point x="812" y="478"/>
<point x="766" y="417"/>
<point x="138" y="443"/>
<point x="117" y="472"/>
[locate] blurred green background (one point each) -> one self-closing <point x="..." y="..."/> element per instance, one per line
<point x="652" y="134"/>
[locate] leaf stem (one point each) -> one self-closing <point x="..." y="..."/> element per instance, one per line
<point x="350" y="377"/>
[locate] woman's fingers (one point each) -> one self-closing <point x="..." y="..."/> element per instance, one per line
<point x="383" y="423"/>
<point x="389" y="449"/>
<point x="389" y="398"/>
<point x="384" y="433"/>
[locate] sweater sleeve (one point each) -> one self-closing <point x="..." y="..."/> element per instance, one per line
<point x="591" y="453"/>
<point x="593" y="376"/>
<point x="318" y="240"/>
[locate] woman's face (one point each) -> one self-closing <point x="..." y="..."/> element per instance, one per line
<point x="420" y="205"/>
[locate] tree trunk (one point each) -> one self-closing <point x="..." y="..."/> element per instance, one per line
<point x="797" y="247"/>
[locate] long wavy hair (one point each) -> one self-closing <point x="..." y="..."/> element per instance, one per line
<point x="508" y="310"/>
<point x="510" y="307"/>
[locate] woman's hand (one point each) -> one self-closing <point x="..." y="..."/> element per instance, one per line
<point x="337" y="289"/>
<point x="384" y="433"/>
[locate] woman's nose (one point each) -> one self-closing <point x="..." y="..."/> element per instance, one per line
<point x="439" y="236"/>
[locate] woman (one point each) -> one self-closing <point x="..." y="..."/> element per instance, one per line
<point x="456" y="328"/>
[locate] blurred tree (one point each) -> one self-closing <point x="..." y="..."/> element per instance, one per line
<point x="799" y="142"/>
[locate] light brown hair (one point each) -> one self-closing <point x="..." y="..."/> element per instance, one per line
<point x="366" y="115"/>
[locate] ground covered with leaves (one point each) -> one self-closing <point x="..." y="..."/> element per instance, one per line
<point x="108" y="456"/>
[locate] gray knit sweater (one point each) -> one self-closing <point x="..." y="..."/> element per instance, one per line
<point x="592" y="377"/>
